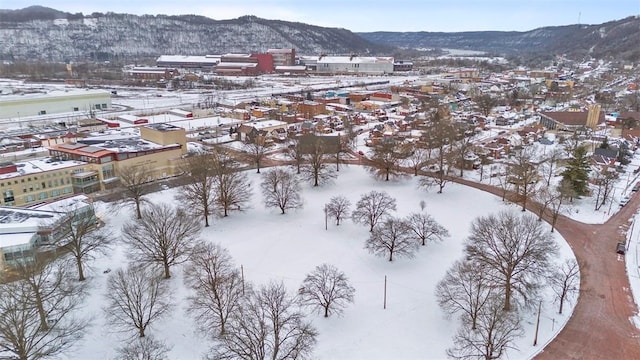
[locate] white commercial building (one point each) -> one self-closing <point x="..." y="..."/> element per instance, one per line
<point x="349" y="64"/>
<point x="53" y="102"/>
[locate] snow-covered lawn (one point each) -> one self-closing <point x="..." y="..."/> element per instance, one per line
<point x="285" y="248"/>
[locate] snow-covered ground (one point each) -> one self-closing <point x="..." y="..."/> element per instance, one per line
<point x="284" y="248"/>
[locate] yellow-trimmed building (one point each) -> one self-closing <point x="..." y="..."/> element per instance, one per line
<point x="159" y="147"/>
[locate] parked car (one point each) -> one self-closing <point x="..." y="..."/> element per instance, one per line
<point x="624" y="200"/>
<point x="636" y="187"/>
<point x="620" y="248"/>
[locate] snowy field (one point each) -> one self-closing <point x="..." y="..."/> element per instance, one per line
<point x="285" y="248"/>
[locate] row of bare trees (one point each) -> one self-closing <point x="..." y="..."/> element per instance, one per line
<point x="388" y="236"/>
<point x="508" y="258"/>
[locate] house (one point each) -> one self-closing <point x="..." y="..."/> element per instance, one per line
<point x="604" y="157"/>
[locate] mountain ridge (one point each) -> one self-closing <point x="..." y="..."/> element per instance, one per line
<point x="42" y="33"/>
<point x="620" y="37"/>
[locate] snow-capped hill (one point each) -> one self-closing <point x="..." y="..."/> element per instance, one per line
<point x="48" y="34"/>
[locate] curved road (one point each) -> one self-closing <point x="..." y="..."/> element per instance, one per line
<point x="600" y="327"/>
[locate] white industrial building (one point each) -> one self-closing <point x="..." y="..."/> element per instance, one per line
<point x="53" y="102"/>
<point x="348" y="64"/>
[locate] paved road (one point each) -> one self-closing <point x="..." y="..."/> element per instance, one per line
<point x="600" y="327"/>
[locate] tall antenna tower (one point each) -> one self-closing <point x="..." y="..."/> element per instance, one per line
<point x="579" y="15"/>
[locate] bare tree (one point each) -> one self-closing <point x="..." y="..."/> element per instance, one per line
<point x="417" y="158"/>
<point x="217" y="287"/>
<point x="338" y="208"/>
<point x="522" y="171"/>
<point x="199" y="193"/>
<point x="23" y="334"/>
<point x="516" y="250"/>
<point x="326" y="289"/>
<point x="565" y="281"/>
<point x="164" y="236"/>
<point x="231" y="186"/>
<point x="257" y="151"/>
<point x="145" y="348"/>
<point x="496" y="330"/>
<point x="385" y="160"/>
<point x="80" y="236"/>
<point x="50" y="286"/>
<point x="136" y="297"/>
<point x="372" y="207"/>
<point x="281" y="189"/>
<point x="465" y="288"/>
<point x="462" y="148"/>
<point x="315" y="168"/>
<point x="344" y="145"/>
<point x="440" y="136"/>
<point x="563" y="192"/>
<point x="426" y="228"/>
<point x="268" y="326"/>
<point x="604" y="180"/>
<point x="549" y="165"/>
<point x="133" y="180"/>
<point x="294" y="151"/>
<point x="392" y="237"/>
<point x="486" y="103"/>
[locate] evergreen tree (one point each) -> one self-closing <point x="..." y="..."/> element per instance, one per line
<point x="577" y="171"/>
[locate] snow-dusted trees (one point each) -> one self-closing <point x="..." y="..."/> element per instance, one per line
<point x="425" y="227"/>
<point x="384" y="162"/>
<point x="522" y="172"/>
<point x="230" y="184"/>
<point x="281" y="189"/>
<point x="136" y="297"/>
<point x="269" y="325"/>
<point x="604" y="178"/>
<point x="496" y="330"/>
<point x="466" y="288"/>
<point x="392" y="237"/>
<point x="217" y="287"/>
<point x="295" y="153"/>
<point x="198" y="193"/>
<point x="316" y="169"/>
<point x="326" y="289"/>
<point x="37" y="319"/>
<point x="338" y="208"/>
<point x="164" y="236"/>
<point x="440" y="136"/>
<point x="372" y="207"/>
<point x="257" y="151"/>
<point x="81" y="237"/>
<point x="145" y="348"/>
<point x="565" y="281"/>
<point x="515" y="250"/>
<point x="417" y="158"/>
<point x="133" y="180"/>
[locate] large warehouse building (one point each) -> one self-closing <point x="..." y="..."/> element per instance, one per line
<point x="53" y="102"/>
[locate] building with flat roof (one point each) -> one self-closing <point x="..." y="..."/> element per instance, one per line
<point x="324" y="64"/>
<point x="27" y="183"/>
<point x="53" y="102"/>
<point x="188" y="61"/>
<point x="159" y="147"/>
<point x="24" y="231"/>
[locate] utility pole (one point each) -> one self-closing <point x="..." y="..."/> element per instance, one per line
<point x="384" y="305"/>
<point x="535" y="339"/>
<point x="242" y="278"/>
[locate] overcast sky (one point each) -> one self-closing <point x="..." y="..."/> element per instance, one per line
<point x="373" y="15"/>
